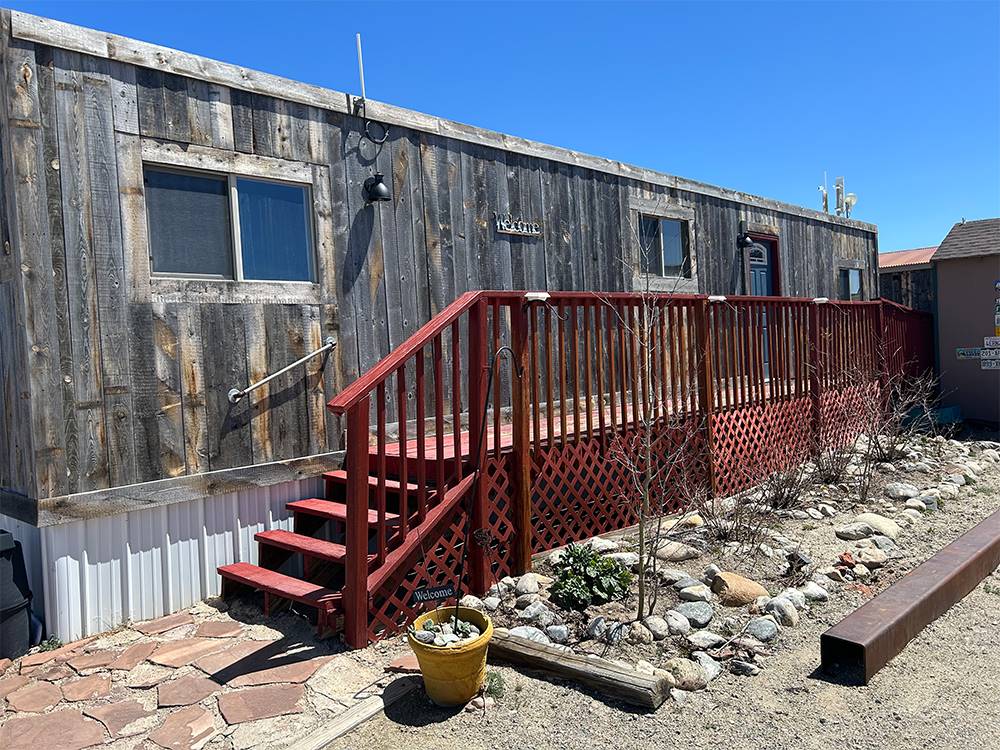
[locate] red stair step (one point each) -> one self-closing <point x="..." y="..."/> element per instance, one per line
<point x="329" y="509"/>
<point x="279" y="584"/>
<point x="306" y="545"/>
<point x="391" y="485"/>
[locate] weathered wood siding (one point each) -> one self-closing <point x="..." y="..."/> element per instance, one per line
<point x="128" y="375"/>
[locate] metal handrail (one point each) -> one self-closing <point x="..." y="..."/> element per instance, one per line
<point x="235" y="394"/>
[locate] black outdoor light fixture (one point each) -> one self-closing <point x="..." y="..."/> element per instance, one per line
<point x="744" y="241"/>
<point x="375" y="190"/>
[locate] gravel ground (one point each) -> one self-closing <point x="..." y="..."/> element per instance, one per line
<point x="942" y="691"/>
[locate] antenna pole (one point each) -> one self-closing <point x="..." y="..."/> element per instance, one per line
<point x="361" y="67"/>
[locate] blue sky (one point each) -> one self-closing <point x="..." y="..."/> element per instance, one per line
<point x="901" y="98"/>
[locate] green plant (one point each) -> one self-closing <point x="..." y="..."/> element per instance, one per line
<point x="50" y="644"/>
<point x="495" y="686"/>
<point x="584" y="577"/>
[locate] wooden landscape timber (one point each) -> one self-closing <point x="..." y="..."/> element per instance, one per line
<point x="605" y="677"/>
<point x="117" y="377"/>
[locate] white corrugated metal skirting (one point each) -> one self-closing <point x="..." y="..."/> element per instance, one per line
<point x="102" y="572"/>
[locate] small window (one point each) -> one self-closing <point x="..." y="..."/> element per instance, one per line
<point x="850" y="284"/>
<point x="664" y="249"/>
<point x="228" y="227"/>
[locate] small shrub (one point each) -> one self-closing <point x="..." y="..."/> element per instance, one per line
<point x="50" y="644"/>
<point x="584" y="577"/>
<point x="495" y="686"/>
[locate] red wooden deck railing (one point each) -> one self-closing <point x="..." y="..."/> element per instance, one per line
<point x="742" y="383"/>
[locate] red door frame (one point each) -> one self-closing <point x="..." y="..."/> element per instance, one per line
<point x="774" y="260"/>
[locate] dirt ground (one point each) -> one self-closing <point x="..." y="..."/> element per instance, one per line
<point x="942" y="691"/>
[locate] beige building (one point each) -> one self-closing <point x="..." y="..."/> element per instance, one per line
<point x="967" y="265"/>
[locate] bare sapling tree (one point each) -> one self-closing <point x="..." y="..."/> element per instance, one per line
<point x="663" y="442"/>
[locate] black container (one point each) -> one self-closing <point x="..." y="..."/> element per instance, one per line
<point x="15" y="599"/>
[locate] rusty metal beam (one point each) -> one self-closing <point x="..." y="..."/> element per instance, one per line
<point x="863" y="642"/>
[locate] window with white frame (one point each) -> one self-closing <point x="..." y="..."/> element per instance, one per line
<point x="664" y="249"/>
<point x="219" y="226"/>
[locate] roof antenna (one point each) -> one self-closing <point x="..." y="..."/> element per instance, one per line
<point x="360" y="105"/>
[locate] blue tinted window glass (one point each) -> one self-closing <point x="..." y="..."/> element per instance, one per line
<point x="650" y="255"/>
<point x="275" y="231"/>
<point x="189" y="226"/>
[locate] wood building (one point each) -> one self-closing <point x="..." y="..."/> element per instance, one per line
<point x="907" y="277"/>
<point x="146" y="192"/>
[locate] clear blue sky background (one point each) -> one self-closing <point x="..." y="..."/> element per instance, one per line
<point x="901" y="98"/>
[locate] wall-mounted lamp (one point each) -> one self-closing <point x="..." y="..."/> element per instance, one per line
<point x="375" y="190"/>
<point x="744" y="241"/>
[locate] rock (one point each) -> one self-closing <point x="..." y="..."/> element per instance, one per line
<point x="947" y="490"/>
<point x="958" y="480"/>
<point x="526" y="584"/>
<point x="557" y="633"/>
<point x="708" y="574"/>
<point x="711" y="667"/>
<point x="525" y="600"/>
<point x="764" y="629"/>
<point x="676" y="552"/>
<point x="639" y="633"/>
<point x="615" y="633"/>
<point x="628" y="559"/>
<point x="861" y="572"/>
<point x="744" y="668"/>
<point x="473" y="602"/>
<point x="90" y="662"/>
<point x="758" y="604"/>
<point x="404" y="664"/>
<point x="670" y="576"/>
<point x="184" y="651"/>
<point x="912" y="515"/>
<point x="251" y="704"/>
<point x="87" y="688"/>
<point x="597" y="627"/>
<point x="491" y="603"/>
<point x="827" y="510"/>
<point x="34" y="697"/>
<point x="9" y="684"/>
<point x="59" y="730"/>
<point x="872" y="557"/>
<point x="163" y="624"/>
<point x="190" y="727"/>
<point x="815" y="514"/>
<point x="990" y="455"/>
<point x="480" y="703"/>
<point x="784" y="611"/>
<point x="735" y="590"/>
<point x="879" y="524"/>
<point x="884" y="543"/>
<point x="915" y="504"/>
<point x="538" y="614"/>
<point x="499" y="590"/>
<point x="601" y="545"/>
<point x="796" y="597"/>
<point x="699" y="614"/>
<point x="218" y="629"/>
<point x="833" y="573"/>
<point x="423" y="636"/>
<point x="901" y="490"/>
<point x="531" y="633"/>
<point x="658" y="627"/>
<point x="931" y="502"/>
<point x="698" y="593"/>
<point x="705" y="639"/>
<point x="854" y="531"/>
<point x="679" y="696"/>
<point x="644" y="667"/>
<point x="687" y="674"/>
<point x="685" y="582"/>
<point x="677" y="623"/>
<point x="813" y="592"/>
<point x="133" y="656"/>
<point x="185" y="691"/>
<point x="116" y="717"/>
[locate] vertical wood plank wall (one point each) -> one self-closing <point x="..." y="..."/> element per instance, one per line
<point x="129" y="386"/>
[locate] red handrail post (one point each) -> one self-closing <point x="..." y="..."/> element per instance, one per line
<point x="521" y="506"/>
<point x="478" y="369"/>
<point x="815" y="378"/>
<point x="356" y="573"/>
<point x="705" y="397"/>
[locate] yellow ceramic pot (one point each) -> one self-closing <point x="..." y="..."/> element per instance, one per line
<point x="453" y="675"/>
